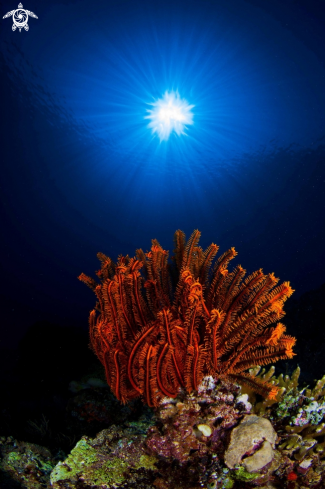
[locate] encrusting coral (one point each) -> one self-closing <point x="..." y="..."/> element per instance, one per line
<point x="252" y="431"/>
<point x="170" y="326"/>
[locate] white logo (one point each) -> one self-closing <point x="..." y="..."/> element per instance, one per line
<point x="20" y="18"/>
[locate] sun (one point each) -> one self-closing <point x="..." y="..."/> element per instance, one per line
<point x="170" y="113"/>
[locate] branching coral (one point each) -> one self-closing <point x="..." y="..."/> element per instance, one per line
<point x="167" y="328"/>
<point x="303" y="414"/>
<point x="284" y="384"/>
<point x="297" y="413"/>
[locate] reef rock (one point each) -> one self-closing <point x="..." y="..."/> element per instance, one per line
<point x="195" y="425"/>
<point x="255" y="437"/>
<point x="115" y="458"/>
<point x="262" y="457"/>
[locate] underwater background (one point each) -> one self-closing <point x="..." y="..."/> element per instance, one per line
<point x="83" y="170"/>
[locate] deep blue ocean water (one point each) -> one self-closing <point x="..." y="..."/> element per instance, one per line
<point x="81" y="172"/>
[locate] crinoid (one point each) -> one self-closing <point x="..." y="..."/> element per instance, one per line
<point x="173" y="323"/>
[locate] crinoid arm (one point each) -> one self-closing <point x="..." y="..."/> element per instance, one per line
<point x="165" y="325"/>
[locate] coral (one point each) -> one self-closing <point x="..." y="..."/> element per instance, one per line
<point x="262" y="457"/>
<point x="292" y="458"/>
<point x="115" y="458"/>
<point x="147" y="454"/>
<point x="254" y="436"/>
<point x="175" y="323"/>
<point x="188" y="441"/>
<point x="284" y="385"/>
<point x="24" y="464"/>
<point x="304" y="427"/>
<point x="195" y="422"/>
<point x="298" y="414"/>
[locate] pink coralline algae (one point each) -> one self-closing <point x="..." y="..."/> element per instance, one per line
<point x="195" y="425"/>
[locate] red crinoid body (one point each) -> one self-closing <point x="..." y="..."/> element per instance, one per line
<point x="153" y="337"/>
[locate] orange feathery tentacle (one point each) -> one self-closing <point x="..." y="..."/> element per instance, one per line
<point x="151" y="341"/>
<point x="132" y="354"/>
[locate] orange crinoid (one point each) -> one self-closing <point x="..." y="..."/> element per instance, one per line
<point x="171" y="324"/>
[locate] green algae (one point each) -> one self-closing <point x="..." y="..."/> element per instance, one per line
<point x="97" y="468"/>
<point x="241" y="474"/>
<point x="13" y="457"/>
<point x="26" y="464"/>
<point x="80" y="456"/>
<point x="228" y="484"/>
<point x="113" y="471"/>
<point x="147" y="462"/>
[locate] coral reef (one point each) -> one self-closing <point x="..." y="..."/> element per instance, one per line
<point x="196" y="422"/>
<point x="298" y="414"/>
<point x="208" y="439"/>
<point x="191" y="340"/>
<point x="215" y="437"/>
<point x="115" y="458"/>
<point x="24" y="465"/>
<point x="174" y="324"/>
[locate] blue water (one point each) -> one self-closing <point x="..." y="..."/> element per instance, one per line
<point x="82" y="172"/>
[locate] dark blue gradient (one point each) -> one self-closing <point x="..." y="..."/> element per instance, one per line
<point x="83" y="173"/>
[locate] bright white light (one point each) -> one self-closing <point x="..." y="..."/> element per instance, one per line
<point x="171" y="113"/>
